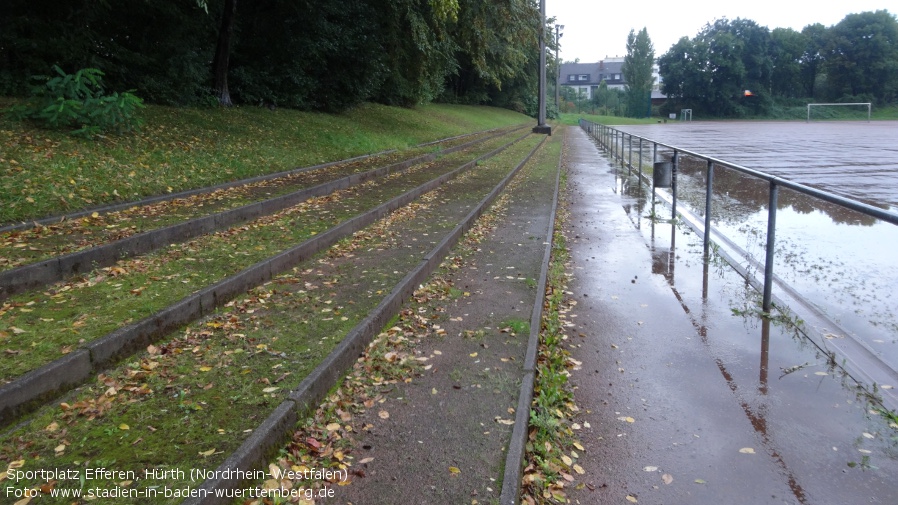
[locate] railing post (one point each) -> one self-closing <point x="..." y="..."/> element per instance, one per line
<point x="640" y="162"/>
<point x="630" y="154"/>
<point x="771" y="246"/>
<point x="673" y="184"/>
<point x="708" y="194"/>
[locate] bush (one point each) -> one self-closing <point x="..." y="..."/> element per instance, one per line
<point x="78" y="101"/>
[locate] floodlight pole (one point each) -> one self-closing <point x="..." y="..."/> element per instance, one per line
<point x="558" y="36"/>
<point x="542" y="127"/>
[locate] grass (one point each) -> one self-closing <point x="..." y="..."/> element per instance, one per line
<point x="551" y="438"/>
<point x="194" y="398"/>
<point x="138" y="287"/>
<point x="45" y="172"/>
<point x="572" y="119"/>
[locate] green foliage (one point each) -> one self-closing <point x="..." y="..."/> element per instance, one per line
<point x="78" y="101"/>
<point x="313" y="55"/>
<point x="855" y="60"/>
<point x="637" y="70"/>
<point x="862" y="57"/>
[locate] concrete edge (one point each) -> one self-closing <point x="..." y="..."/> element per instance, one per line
<point x="226" y="185"/>
<point x="124" y="341"/>
<point x="327" y="374"/>
<point x="55" y="269"/>
<point x="514" y="459"/>
<point x="20" y="394"/>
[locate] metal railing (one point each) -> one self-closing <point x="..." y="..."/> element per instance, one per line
<point x="616" y="141"/>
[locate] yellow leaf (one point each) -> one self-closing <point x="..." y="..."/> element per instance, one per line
<point x="207" y="453"/>
<point x="567" y="460"/>
<point x="473" y="355"/>
<point x="747" y="450"/>
<point x="205" y="368"/>
<point x="579" y="469"/>
<point x="123" y="427"/>
<point x="95" y="215"/>
<point x="453" y="470"/>
<point x="332" y="427"/>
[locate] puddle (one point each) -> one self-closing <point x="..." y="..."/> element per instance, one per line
<point x="841" y="261"/>
<point x="813" y="422"/>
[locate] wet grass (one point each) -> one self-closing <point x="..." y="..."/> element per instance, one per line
<point x="46" y="172"/>
<point x="44" y="326"/>
<point x="193" y="398"/>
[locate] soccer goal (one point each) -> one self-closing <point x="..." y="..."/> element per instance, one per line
<point x="850" y="110"/>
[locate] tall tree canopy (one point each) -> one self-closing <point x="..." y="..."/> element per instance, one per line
<point x="637" y="70"/>
<point x="734" y="68"/>
<point x="324" y="54"/>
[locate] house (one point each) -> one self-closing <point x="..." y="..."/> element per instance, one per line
<point x="586" y="77"/>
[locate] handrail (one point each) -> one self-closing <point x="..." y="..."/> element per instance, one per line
<point x="608" y="135"/>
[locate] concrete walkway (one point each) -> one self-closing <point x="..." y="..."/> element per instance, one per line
<point x="683" y="402"/>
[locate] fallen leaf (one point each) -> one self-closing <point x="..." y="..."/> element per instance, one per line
<point x="383" y="414"/>
<point x="631" y="499"/>
<point x="123" y="427"/>
<point x="700" y="481"/>
<point x="207" y="453"/>
<point x="454" y="470"/>
<point x="626" y="419"/>
<point x="579" y="469"/>
<point x="747" y="450"/>
<point x="366" y="460"/>
<point x="650" y="469"/>
<point x="667" y="478"/>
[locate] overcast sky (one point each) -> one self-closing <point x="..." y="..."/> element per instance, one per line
<point x="595" y="29"/>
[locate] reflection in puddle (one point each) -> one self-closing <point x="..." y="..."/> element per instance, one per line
<point x="783" y="383"/>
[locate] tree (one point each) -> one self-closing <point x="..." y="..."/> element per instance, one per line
<point x="637" y="70"/>
<point x="862" y="57"/>
<point x="223" y="52"/>
<point x="786" y="50"/>
<point x="812" y="58"/>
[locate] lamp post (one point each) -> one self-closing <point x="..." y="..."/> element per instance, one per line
<point x="558" y="36"/>
<point x="541" y="126"/>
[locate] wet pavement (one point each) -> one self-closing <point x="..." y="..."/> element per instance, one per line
<point x="840" y="262"/>
<point x="687" y="396"/>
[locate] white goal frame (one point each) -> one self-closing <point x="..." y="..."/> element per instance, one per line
<point x="868" y="104"/>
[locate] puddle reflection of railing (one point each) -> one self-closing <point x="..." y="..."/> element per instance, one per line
<point x="620" y="145"/>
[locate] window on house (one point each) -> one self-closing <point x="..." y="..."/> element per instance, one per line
<point x="571" y="78"/>
<point x="583" y="77"/>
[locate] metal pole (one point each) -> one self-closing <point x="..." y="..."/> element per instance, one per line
<point x="541" y="127"/>
<point x="708" y="193"/>
<point x="673" y="184"/>
<point x="771" y="246"/>
<point x="640" y="161"/>
<point x="630" y="154"/>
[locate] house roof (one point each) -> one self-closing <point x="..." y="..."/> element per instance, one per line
<point x="609" y="71"/>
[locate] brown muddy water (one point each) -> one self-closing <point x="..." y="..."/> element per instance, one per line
<point x="844" y="264"/>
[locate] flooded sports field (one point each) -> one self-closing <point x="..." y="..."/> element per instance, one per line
<point x="841" y="264"/>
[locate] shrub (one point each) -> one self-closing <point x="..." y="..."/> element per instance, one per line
<point x="78" y="101"/>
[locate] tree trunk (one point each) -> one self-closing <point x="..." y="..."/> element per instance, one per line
<point x="223" y="53"/>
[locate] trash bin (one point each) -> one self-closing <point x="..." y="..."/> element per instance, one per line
<point x="661" y="174"/>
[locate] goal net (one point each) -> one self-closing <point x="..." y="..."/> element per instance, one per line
<point x="842" y="111"/>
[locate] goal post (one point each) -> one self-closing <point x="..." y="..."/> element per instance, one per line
<point x="868" y="105"/>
